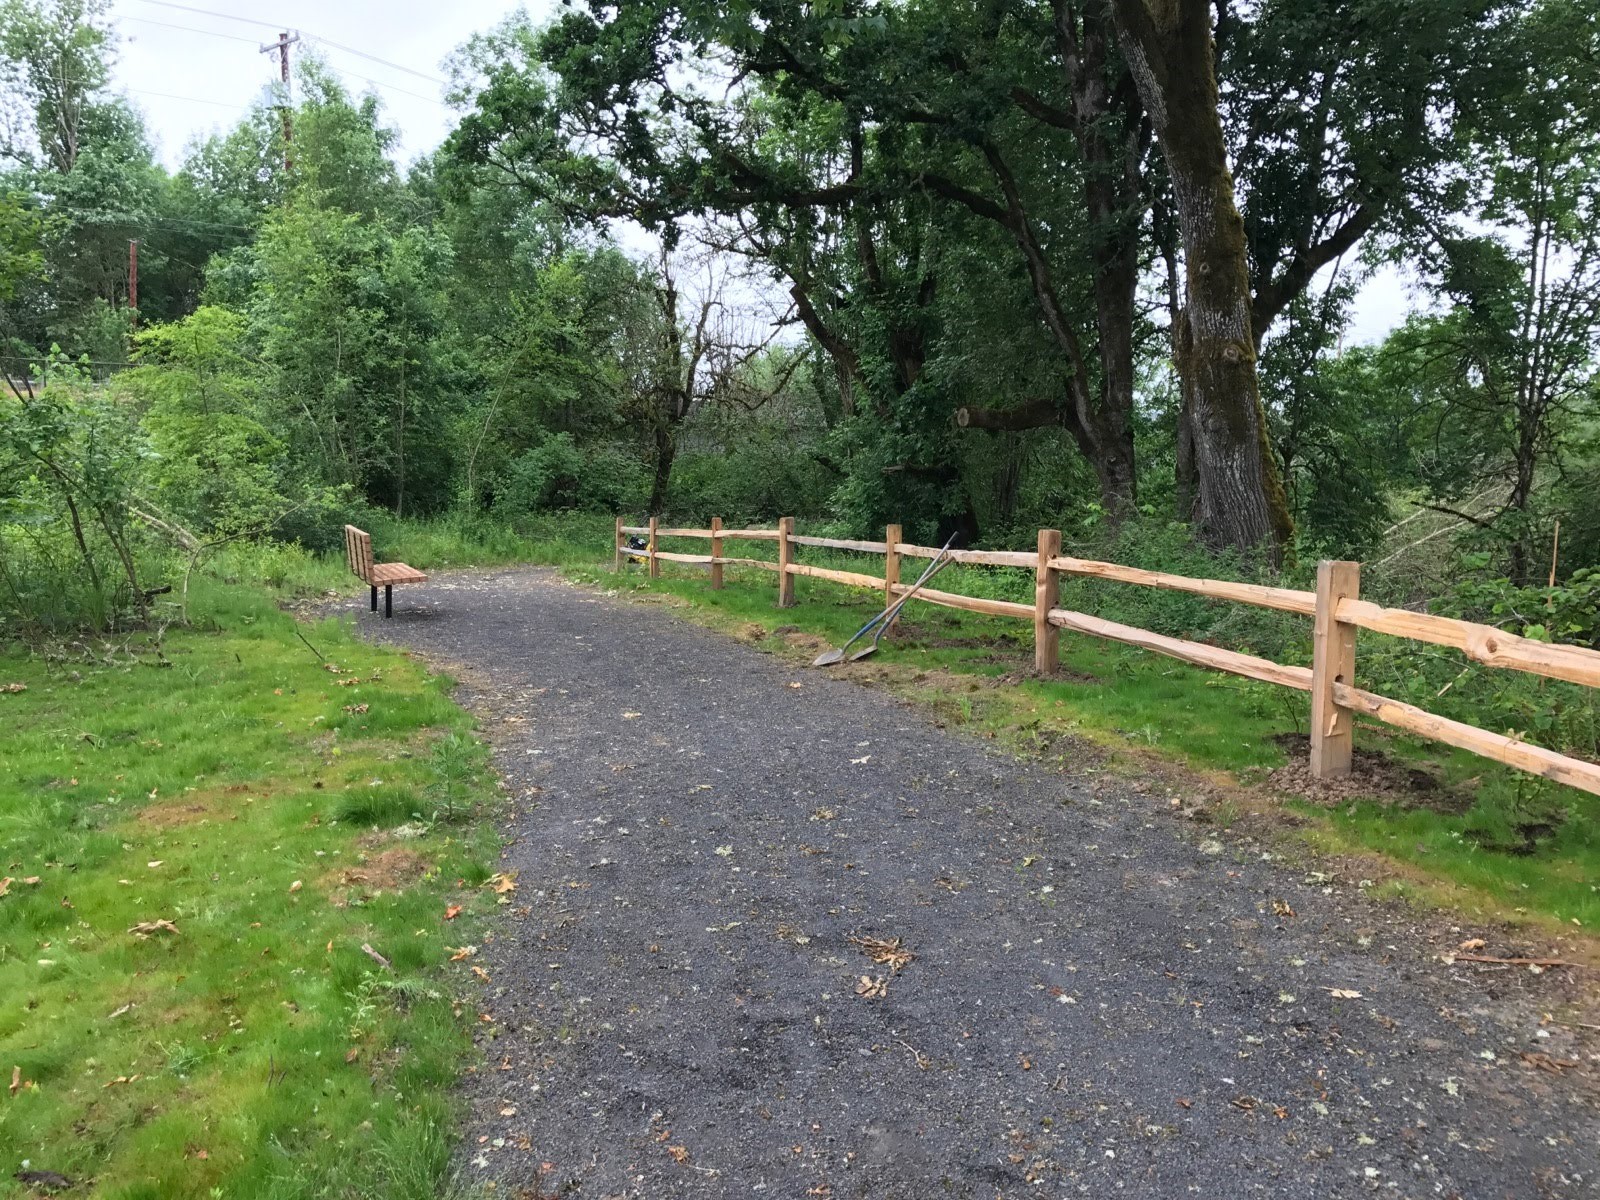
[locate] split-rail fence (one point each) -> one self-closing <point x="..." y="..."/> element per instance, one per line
<point x="1335" y="608"/>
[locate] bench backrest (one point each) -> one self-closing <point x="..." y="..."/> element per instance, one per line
<point x="358" y="552"/>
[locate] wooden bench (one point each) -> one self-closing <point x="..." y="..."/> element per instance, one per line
<point x="358" y="551"/>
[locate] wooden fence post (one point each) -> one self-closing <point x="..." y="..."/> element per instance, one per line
<point x="655" y="563"/>
<point x="716" y="553"/>
<point x="892" y="537"/>
<point x="616" y="545"/>
<point x="785" y="580"/>
<point x="1333" y="660"/>
<point x="1046" y="595"/>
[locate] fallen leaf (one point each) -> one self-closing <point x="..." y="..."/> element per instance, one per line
<point x="503" y="882"/>
<point x="464" y="952"/>
<point x="145" y="928"/>
<point x="5" y="886"/>
<point x="352" y="1054"/>
<point x="725" y="851"/>
<point x="1473" y="944"/>
<point x="679" y="1154"/>
<point x="13" y="688"/>
<point x="872" y="989"/>
<point x="630" y="716"/>
<point x="509" y="1110"/>
<point x="886" y="952"/>
<point x="16" y="1080"/>
<point x="296" y="886"/>
<point x="1281" y="908"/>
<point x="451" y="913"/>
<point x="481" y="973"/>
<point x="862" y="759"/>
<point x="1343" y="993"/>
<point x="1185" y="1103"/>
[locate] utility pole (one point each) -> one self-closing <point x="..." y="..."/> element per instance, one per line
<point x="282" y="47"/>
<point x="133" y="281"/>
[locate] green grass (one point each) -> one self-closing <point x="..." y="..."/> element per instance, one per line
<point x="280" y="815"/>
<point x="1507" y="845"/>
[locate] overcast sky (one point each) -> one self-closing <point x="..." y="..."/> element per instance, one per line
<point x="195" y="66"/>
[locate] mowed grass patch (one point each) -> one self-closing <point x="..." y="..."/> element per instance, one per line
<point x="1507" y="847"/>
<point x="278" y="815"/>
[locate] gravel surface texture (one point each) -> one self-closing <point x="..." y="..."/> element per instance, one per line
<point x="712" y="847"/>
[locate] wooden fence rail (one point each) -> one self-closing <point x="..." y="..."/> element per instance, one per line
<point x="1336" y="610"/>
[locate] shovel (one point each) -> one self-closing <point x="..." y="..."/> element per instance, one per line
<point x="934" y="568"/>
<point x="829" y="657"/>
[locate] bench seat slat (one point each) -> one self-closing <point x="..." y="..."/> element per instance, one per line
<point x="392" y="573"/>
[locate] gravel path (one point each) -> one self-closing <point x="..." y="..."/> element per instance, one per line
<point x="1103" y="1001"/>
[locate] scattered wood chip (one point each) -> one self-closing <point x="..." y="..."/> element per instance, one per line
<point x="376" y="957"/>
<point x="16" y="1080"/>
<point x="1544" y="1062"/>
<point x="12" y="689"/>
<point x="1515" y="962"/>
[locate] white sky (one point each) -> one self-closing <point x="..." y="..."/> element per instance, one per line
<point x="193" y="72"/>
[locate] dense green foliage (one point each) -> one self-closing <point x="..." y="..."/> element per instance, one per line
<point x="928" y="262"/>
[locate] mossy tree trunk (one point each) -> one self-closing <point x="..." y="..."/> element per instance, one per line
<point x="1240" y="500"/>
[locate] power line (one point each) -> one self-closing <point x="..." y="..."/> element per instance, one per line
<point x="280" y="24"/>
<point x="206" y="12"/>
<point x="232" y="37"/>
<point x="190" y="99"/>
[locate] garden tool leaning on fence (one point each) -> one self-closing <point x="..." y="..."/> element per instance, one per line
<point x="886" y="618"/>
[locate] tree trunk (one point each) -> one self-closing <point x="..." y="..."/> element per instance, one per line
<point x="1240" y="496"/>
<point x="666" y="451"/>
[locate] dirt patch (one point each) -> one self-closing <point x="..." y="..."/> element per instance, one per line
<point x="799" y="639"/>
<point x="173" y="814"/>
<point x="391" y="870"/>
<point x="1373" y="776"/>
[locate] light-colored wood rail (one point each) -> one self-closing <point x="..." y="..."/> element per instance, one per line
<point x="1537" y="759"/>
<point x="975" y="558"/>
<point x="977" y="604"/>
<point x="848" y="578"/>
<point x="1283" y="599"/>
<point x="750" y="535"/>
<point x="840" y="544"/>
<point x="1335" y="607"/>
<point x="1482" y="643"/>
<point x="1197" y="653"/>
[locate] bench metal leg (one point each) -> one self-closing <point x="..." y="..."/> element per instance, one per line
<point x="388" y="600"/>
<point x="374" y="597"/>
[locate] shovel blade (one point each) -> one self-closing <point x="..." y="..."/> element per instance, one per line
<point x="864" y="652"/>
<point x="828" y="658"/>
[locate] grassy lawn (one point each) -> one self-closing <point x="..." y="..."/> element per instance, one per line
<point x="1489" y="841"/>
<point x="277" y="814"/>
